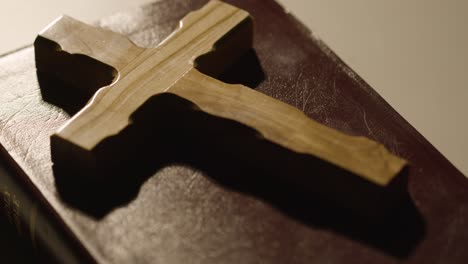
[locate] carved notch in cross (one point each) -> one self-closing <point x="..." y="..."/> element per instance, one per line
<point x="217" y="34"/>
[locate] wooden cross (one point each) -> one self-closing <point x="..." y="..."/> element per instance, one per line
<point x="218" y="34"/>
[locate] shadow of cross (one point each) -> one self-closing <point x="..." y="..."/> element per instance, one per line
<point x="214" y="37"/>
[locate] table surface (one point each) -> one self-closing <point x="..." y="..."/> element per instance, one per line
<point x="413" y="53"/>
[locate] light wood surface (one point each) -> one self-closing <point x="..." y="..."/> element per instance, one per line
<point x="218" y="33"/>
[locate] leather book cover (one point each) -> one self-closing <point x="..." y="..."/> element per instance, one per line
<point x="188" y="204"/>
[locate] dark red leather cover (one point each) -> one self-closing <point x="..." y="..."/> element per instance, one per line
<point x="185" y="214"/>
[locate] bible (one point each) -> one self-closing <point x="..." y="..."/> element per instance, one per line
<point x="213" y="210"/>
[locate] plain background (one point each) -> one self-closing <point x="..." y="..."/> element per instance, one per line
<point x="413" y="52"/>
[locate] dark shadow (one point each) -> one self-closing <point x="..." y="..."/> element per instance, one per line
<point x="303" y="187"/>
<point x="246" y="71"/>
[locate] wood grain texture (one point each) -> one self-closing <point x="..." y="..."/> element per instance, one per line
<point x="215" y="36"/>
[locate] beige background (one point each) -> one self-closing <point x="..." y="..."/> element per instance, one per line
<point x="413" y="52"/>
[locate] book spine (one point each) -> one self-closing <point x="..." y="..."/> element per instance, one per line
<point x="34" y="219"/>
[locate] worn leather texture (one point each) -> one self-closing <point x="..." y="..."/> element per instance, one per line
<point x="188" y="214"/>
